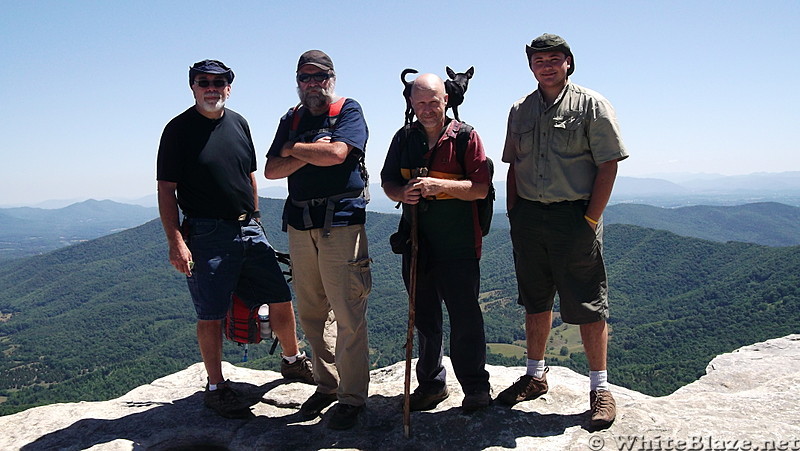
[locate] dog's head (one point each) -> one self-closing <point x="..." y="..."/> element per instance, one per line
<point x="460" y="78"/>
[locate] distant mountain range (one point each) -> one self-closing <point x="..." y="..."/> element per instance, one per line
<point x="93" y="320"/>
<point x="26" y="231"/>
<point x="663" y="190"/>
<point x="769" y="223"/>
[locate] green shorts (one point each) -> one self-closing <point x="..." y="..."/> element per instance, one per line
<point x="555" y="250"/>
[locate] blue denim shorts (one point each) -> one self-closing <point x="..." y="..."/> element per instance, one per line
<point x="232" y="257"/>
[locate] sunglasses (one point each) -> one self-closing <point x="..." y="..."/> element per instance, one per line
<point x="318" y="77"/>
<point x="218" y="83"/>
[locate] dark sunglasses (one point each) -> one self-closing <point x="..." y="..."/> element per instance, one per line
<point x="318" y="77"/>
<point x="218" y="83"/>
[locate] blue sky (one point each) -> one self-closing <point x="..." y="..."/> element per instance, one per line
<point x="699" y="87"/>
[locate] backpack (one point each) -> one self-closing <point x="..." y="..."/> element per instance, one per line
<point x="242" y="323"/>
<point x="334" y="109"/>
<point x="486" y="205"/>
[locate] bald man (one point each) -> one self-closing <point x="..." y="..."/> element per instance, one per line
<point x="450" y="242"/>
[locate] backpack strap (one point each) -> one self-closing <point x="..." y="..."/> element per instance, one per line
<point x="462" y="140"/>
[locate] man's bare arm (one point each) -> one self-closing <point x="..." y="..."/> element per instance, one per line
<point x="179" y="254"/>
<point x="601" y="190"/>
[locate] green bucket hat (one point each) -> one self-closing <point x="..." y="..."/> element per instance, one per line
<point x="550" y="43"/>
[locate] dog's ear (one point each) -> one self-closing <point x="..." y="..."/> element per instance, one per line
<point x="450" y="72"/>
<point x="470" y="72"/>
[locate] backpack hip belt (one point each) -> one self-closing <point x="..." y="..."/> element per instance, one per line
<point x="330" y="205"/>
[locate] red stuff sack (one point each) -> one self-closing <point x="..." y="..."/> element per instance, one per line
<point x="241" y="323"/>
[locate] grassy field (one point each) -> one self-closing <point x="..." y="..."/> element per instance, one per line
<point x="563" y="341"/>
<point x="506" y="349"/>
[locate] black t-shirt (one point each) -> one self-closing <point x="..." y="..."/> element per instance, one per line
<point x="211" y="161"/>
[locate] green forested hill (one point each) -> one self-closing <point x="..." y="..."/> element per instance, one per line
<point x="769" y="223"/>
<point x="94" y="320"/>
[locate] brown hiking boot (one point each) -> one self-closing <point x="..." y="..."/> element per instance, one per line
<point x="476" y="401"/>
<point x="419" y="401"/>
<point x="300" y="370"/>
<point x="344" y="416"/>
<point x="524" y="389"/>
<point x="226" y="402"/>
<point x="603" y="408"/>
<point x="313" y="406"/>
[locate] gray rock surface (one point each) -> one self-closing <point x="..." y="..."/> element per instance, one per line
<point x="749" y="396"/>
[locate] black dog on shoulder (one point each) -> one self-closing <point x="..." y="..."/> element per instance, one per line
<point x="407" y="94"/>
<point x="456" y="87"/>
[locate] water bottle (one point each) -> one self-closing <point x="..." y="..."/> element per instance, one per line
<point x="263" y="318"/>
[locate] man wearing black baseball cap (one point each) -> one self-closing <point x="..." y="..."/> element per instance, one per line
<point x="562" y="144"/>
<point x="319" y="147"/>
<point x="206" y="166"/>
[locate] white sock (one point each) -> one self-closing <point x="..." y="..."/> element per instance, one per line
<point x="535" y="368"/>
<point x="292" y="359"/>
<point x="598" y="380"/>
<point x="212" y="387"/>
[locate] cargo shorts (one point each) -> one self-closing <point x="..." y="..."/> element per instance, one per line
<point x="556" y="251"/>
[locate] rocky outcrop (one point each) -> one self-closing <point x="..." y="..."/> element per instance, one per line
<point x="749" y="396"/>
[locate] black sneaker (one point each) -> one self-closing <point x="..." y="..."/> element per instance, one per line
<point x="344" y="416"/>
<point x="225" y="402"/>
<point x="420" y="401"/>
<point x="476" y="401"/>
<point x="300" y="370"/>
<point x="314" y="405"/>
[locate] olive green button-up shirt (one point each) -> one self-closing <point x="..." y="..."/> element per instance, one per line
<point x="556" y="150"/>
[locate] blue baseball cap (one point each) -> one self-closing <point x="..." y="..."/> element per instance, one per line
<point x="210" y="67"/>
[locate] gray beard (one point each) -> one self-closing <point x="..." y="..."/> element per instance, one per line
<point x="316" y="100"/>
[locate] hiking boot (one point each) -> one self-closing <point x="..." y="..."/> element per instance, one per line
<point x="225" y="402"/>
<point x="603" y="408"/>
<point x="419" y="400"/>
<point x="314" y="405"/>
<point x="525" y="388"/>
<point x="344" y="416"/>
<point x="476" y="401"/>
<point x="300" y="370"/>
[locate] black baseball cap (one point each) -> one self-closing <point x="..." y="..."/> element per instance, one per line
<point x="550" y="43"/>
<point x="210" y="67"/>
<point x="317" y="58"/>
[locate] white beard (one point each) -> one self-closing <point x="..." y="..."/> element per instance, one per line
<point x="212" y="107"/>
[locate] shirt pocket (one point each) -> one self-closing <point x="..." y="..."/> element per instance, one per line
<point x="523" y="136"/>
<point x="568" y="133"/>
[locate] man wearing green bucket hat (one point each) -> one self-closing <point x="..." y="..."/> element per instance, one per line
<point x="562" y="145"/>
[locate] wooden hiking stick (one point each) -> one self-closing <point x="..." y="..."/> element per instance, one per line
<point x="412" y="295"/>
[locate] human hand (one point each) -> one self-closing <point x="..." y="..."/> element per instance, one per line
<point x="429" y="186"/>
<point x="287" y="149"/>
<point x="181" y="258"/>
<point x="411" y="193"/>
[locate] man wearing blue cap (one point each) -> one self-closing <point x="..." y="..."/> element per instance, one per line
<point x="206" y="166"/>
<point x="562" y="144"/>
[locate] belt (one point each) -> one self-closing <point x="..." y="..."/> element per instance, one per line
<point x="244" y="217"/>
<point x="557" y="204"/>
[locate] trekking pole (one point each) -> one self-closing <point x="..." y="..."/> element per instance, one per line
<point x="412" y="294"/>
